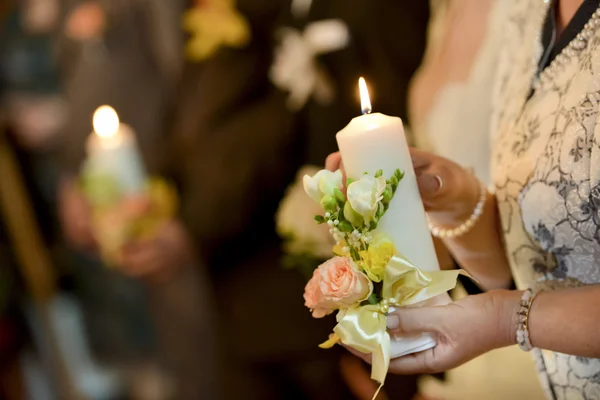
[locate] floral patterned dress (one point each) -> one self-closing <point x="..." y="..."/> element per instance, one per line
<point x="546" y="172"/>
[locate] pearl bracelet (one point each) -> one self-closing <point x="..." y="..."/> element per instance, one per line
<point x="523" y="339"/>
<point x="450" y="233"/>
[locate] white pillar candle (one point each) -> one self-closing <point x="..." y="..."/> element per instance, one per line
<point x="112" y="151"/>
<point x="375" y="141"/>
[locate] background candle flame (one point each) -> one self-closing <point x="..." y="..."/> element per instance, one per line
<point x="106" y="121"/>
<point x="365" y="101"/>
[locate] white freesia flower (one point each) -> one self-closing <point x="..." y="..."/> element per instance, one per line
<point x="323" y="183"/>
<point x="295" y="222"/>
<point x="365" y="194"/>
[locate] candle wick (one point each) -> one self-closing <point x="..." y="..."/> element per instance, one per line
<point x="366" y="111"/>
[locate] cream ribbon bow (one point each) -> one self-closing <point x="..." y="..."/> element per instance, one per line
<point x="364" y="327"/>
<point x="295" y="68"/>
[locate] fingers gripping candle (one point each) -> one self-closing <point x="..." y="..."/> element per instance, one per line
<point x="373" y="142"/>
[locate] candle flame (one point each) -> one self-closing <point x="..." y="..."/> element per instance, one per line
<point x="365" y="101"/>
<point x="106" y="121"/>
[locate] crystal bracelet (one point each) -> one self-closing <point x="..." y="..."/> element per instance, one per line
<point x="450" y="233"/>
<point x="523" y="339"/>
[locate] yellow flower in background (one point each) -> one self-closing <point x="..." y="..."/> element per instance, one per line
<point x="377" y="257"/>
<point x="213" y="24"/>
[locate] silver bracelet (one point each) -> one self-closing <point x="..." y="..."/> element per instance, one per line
<point x="451" y="233"/>
<point x="523" y="339"/>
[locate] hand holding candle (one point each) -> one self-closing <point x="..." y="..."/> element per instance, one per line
<point x="127" y="205"/>
<point x="385" y="256"/>
<point x="375" y="142"/>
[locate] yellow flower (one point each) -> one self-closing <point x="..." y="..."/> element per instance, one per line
<point x="341" y="249"/>
<point x="213" y="24"/>
<point x="376" y="258"/>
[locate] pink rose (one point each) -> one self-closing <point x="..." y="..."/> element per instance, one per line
<point x="314" y="299"/>
<point x="337" y="283"/>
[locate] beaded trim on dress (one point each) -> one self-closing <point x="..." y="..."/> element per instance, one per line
<point x="568" y="53"/>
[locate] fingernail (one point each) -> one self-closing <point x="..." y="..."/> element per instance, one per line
<point x="429" y="183"/>
<point x="393" y="322"/>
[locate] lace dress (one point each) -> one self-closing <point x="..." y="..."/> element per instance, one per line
<point x="450" y="109"/>
<point x="546" y="172"/>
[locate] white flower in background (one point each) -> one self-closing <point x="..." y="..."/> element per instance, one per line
<point x="295" y="221"/>
<point x="295" y="67"/>
<point x="323" y="183"/>
<point x="365" y="195"/>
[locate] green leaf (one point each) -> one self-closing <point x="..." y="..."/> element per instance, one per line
<point x="349" y="182"/>
<point x="320" y="219"/>
<point x="378" y="173"/>
<point x="387" y="195"/>
<point x="354" y="254"/>
<point x="339" y="196"/>
<point x="373" y="225"/>
<point x="345" y="226"/>
<point x="329" y="204"/>
<point x="380" y="211"/>
<point x="373" y="299"/>
<point x="393" y="180"/>
<point x="399" y="174"/>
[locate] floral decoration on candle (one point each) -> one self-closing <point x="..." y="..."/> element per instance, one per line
<point x="367" y="276"/>
<point x="213" y="24"/>
<point x="368" y="273"/>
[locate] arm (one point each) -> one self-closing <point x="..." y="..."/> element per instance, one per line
<point x="565" y="321"/>
<point x="479" y="251"/>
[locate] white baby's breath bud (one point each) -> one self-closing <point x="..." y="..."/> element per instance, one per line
<point x="330" y="223"/>
<point x="327" y="215"/>
<point x="336" y="222"/>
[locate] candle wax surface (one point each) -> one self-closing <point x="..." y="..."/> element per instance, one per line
<point x="119" y="157"/>
<point x="376" y="141"/>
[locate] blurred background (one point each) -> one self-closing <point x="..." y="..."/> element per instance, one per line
<point x="223" y="105"/>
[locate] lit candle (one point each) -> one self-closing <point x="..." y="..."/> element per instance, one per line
<point x="112" y="151"/>
<point x="375" y="141"/>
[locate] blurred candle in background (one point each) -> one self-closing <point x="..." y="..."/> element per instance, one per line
<point x="112" y="151"/>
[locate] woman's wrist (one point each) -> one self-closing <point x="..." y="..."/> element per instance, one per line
<point x="456" y="212"/>
<point x="506" y="304"/>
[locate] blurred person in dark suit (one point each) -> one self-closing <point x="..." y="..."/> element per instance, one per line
<point x="128" y="54"/>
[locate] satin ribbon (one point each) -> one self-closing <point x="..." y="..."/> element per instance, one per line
<point x="364" y="328"/>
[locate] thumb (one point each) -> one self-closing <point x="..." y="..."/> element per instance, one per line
<point x="429" y="185"/>
<point x="415" y="320"/>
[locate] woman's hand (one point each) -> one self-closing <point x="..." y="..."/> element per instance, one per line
<point x="465" y="329"/>
<point x="449" y="192"/>
<point x="156" y="259"/>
